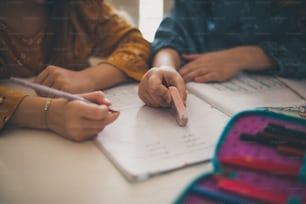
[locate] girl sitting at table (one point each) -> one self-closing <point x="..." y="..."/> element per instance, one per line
<point x="52" y="41"/>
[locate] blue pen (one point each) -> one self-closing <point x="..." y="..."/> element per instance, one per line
<point x="217" y="195"/>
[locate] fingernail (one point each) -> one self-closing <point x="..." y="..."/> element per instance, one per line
<point x="112" y="110"/>
<point x="107" y="100"/>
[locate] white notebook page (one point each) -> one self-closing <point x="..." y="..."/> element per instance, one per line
<point x="146" y="141"/>
<point x="246" y="91"/>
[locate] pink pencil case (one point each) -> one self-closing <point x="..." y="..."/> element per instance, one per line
<point x="260" y="158"/>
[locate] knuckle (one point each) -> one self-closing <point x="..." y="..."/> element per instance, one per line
<point x="50" y="67"/>
<point x="99" y="113"/>
<point x="155" y="89"/>
<point x="63" y="87"/>
<point x="100" y="93"/>
<point x="179" y="79"/>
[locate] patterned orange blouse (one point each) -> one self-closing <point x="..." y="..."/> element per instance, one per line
<point x="115" y="41"/>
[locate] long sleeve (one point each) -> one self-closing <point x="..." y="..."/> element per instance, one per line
<point x="120" y="44"/>
<point x="9" y="101"/>
<point x="195" y="26"/>
<point x="182" y="28"/>
<point x="287" y="45"/>
<point x="289" y="55"/>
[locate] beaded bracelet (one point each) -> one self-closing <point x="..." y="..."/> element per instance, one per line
<point x="46" y="108"/>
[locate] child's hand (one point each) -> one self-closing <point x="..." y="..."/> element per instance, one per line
<point x="153" y="88"/>
<point x="223" y="65"/>
<point x="77" y="120"/>
<point x="214" y="66"/>
<point x="64" y="80"/>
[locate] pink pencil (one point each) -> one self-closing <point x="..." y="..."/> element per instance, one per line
<point x="181" y="117"/>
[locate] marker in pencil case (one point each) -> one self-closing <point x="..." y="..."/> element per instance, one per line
<point x="286" y="131"/>
<point x="181" y="112"/>
<point x="290" y="151"/>
<point x="282" y="139"/>
<point x="249" y="190"/>
<point x="260" y="140"/>
<point x="280" y="147"/>
<point x="271" y="167"/>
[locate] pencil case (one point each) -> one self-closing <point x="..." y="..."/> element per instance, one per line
<point x="259" y="158"/>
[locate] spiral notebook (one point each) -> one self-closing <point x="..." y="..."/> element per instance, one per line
<point x="145" y="141"/>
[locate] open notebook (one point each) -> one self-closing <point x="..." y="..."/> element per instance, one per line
<point x="249" y="91"/>
<point x="146" y="141"/>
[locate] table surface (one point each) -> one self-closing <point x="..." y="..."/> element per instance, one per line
<point x="40" y="167"/>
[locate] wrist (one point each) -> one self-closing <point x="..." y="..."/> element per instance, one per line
<point x="167" y="57"/>
<point x="54" y="116"/>
<point x="253" y="58"/>
<point x="32" y="112"/>
<point x="88" y="79"/>
<point x="103" y="76"/>
<point x="167" y="67"/>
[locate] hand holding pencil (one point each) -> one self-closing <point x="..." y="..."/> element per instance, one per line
<point x="179" y="106"/>
<point x="80" y="121"/>
<point x="154" y="87"/>
<point x="76" y="117"/>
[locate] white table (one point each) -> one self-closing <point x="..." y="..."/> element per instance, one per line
<point x="38" y="167"/>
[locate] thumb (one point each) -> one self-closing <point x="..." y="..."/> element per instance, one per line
<point x="112" y="117"/>
<point x="164" y="93"/>
<point x="97" y="97"/>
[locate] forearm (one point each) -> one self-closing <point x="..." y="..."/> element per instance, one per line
<point x="104" y="75"/>
<point x="30" y="113"/>
<point x="167" y="57"/>
<point x="253" y="58"/>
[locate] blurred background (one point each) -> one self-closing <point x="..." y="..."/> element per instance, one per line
<point x="145" y="14"/>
